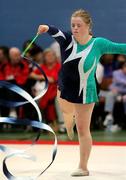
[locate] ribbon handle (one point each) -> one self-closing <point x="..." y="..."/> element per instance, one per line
<point x="28" y="47"/>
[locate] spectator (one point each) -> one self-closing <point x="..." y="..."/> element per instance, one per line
<point x="98" y="112"/>
<point x="117" y="91"/>
<point x="56" y="48"/>
<point x="4" y="53"/>
<point x="4" y="56"/>
<point x="17" y="69"/>
<point x="25" y="45"/>
<point x="107" y="61"/>
<point x="51" y="68"/>
<point x="120" y="59"/>
<point x="36" y="54"/>
<point x="16" y="72"/>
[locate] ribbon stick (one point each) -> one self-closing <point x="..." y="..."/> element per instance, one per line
<point x="33" y="40"/>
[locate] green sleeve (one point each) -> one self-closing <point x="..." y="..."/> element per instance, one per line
<point x="108" y="47"/>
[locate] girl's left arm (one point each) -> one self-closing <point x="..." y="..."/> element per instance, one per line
<point x="108" y="47"/>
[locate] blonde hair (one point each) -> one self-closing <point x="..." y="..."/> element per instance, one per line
<point x="85" y="16"/>
<point x="46" y="51"/>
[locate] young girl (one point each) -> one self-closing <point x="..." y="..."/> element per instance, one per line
<point x="80" y="55"/>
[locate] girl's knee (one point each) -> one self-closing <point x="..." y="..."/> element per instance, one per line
<point x="83" y="131"/>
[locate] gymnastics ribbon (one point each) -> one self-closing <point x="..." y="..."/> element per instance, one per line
<point x="12" y="152"/>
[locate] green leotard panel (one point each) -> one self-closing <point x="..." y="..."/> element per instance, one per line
<point x="94" y="49"/>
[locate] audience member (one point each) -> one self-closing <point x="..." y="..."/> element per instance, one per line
<point x="51" y="67"/>
<point x="16" y="72"/>
<point x="117" y="92"/>
<point x="4" y="57"/>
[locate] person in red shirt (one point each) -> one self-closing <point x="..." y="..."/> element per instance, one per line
<point x="51" y="67"/>
<point x="4" y="57"/>
<point x="36" y="54"/>
<point x="16" y="72"/>
<point x="4" y="53"/>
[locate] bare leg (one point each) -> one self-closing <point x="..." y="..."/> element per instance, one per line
<point x="68" y="111"/>
<point x="83" y="114"/>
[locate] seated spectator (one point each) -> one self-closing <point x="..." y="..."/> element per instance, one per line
<point x="98" y="110"/>
<point x="56" y="48"/>
<point x="17" y="69"/>
<point x="51" y="68"/>
<point x="36" y="54"/>
<point x="120" y="59"/>
<point x="4" y="56"/>
<point x="117" y="91"/>
<point x="107" y="62"/>
<point x="25" y="45"/>
<point x="16" y="72"/>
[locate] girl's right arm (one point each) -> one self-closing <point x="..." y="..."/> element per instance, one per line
<point x="62" y="38"/>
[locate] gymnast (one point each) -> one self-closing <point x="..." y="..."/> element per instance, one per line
<point x="80" y="53"/>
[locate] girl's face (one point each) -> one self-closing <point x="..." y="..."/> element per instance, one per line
<point x="79" y="28"/>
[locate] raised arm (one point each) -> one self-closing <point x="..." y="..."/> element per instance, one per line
<point x="62" y="38"/>
<point x="108" y="47"/>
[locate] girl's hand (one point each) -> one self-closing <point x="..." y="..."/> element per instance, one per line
<point x="42" y="29"/>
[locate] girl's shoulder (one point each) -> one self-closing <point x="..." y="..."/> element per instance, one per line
<point x="101" y="41"/>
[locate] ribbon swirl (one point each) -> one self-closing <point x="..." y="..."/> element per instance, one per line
<point x="11" y="152"/>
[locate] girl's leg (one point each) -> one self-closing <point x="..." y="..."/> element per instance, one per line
<point x="83" y="114"/>
<point x="67" y="109"/>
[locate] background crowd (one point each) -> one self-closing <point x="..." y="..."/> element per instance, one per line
<point x="109" y="114"/>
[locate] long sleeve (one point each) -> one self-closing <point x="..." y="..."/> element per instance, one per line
<point x="108" y="47"/>
<point x="63" y="38"/>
